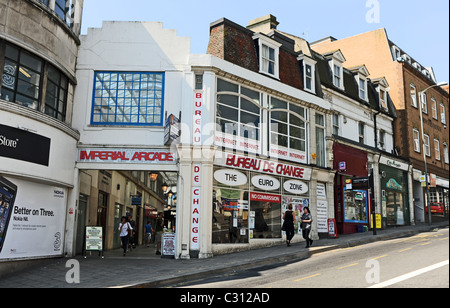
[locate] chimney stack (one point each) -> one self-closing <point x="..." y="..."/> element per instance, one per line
<point x="263" y="24"/>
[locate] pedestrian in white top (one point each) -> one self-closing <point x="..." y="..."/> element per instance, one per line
<point x="125" y="230"/>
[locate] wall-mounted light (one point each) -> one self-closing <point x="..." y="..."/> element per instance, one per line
<point x="164" y="187"/>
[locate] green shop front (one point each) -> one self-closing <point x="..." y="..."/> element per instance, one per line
<point x="394" y="179"/>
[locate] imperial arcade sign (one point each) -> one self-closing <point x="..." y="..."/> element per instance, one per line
<point x="124" y="156"/>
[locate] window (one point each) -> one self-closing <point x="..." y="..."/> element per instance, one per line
<point x="443" y="118"/>
<point x="426" y="143"/>
<point x="268" y="60"/>
<point x="56" y="94"/>
<point x="124" y="98"/>
<point x="337" y="75"/>
<point x="383" y="99"/>
<point x="336" y="124"/>
<point x="424" y="103"/>
<point x="416" y="137"/>
<point x="382" y="140"/>
<point x="21" y="81"/>
<point x="445" y="146"/>
<point x="238" y="110"/>
<point x="434" y="108"/>
<point x="361" y="132"/>
<point x="198" y="82"/>
<point x="60" y="8"/>
<point x="308" y="77"/>
<point x="269" y="54"/>
<point x="320" y="140"/>
<point x="363" y="89"/>
<point x="413" y="95"/>
<point x="287" y="125"/>
<point x="437" y="150"/>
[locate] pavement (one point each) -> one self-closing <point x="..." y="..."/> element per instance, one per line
<point x="142" y="268"/>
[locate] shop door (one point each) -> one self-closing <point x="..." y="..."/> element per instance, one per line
<point x="117" y="221"/>
<point x="102" y="211"/>
<point x="81" y="223"/>
<point x="395" y="209"/>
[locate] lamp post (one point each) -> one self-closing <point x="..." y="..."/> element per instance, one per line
<point x="423" y="146"/>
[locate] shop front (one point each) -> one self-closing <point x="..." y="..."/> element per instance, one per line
<point x="352" y="201"/>
<point x="116" y="182"/>
<point x="250" y="196"/>
<point x="395" y="205"/>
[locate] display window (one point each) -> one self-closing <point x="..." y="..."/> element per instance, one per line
<point x="355" y="206"/>
<point x="250" y="205"/>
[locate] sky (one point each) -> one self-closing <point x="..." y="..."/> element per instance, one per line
<point x="420" y="28"/>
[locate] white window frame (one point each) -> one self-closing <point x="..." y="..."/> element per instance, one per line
<point x="437" y="149"/>
<point x="413" y="95"/>
<point x="426" y="144"/>
<point x="337" y="77"/>
<point x="268" y="42"/>
<point x="382" y="140"/>
<point x="423" y="102"/>
<point x="443" y="116"/>
<point x="434" y="111"/>
<point x="361" y="132"/>
<point x="383" y="103"/>
<point x="362" y="91"/>
<point x="311" y="63"/>
<point x="445" y="145"/>
<point x="336" y="124"/>
<point x="322" y="141"/>
<point x="416" y="138"/>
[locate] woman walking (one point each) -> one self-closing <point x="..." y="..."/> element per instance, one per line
<point x="124" y="229"/>
<point x="306" y="226"/>
<point x="288" y="224"/>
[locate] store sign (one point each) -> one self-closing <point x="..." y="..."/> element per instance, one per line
<point x="295" y="187"/>
<point x="171" y="129"/>
<point x="288" y="154"/>
<point x="22" y="145"/>
<point x="125" y="156"/>
<point x="263" y="166"/>
<point x="195" y="209"/>
<point x="394" y="164"/>
<point x="265" y="182"/>
<point x="197" y="120"/>
<point x="265" y="197"/>
<point x="230" y="177"/>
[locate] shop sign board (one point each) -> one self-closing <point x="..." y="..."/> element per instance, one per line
<point x="265" y="182"/>
<point x="168" y="245"/>
<point x="171" y="130"/>
<point x="126" y="156"/>
<point x="197" y="118"/>
<point x="332" y="232"/>
<point x="230" y="177"/>
<point x="94" y="239"/>
<point x="36" y="214"/>
<point x="23" y="145"/>
<point x="296" y="187"/>
<point x="254" y="164"/>
<point x="195" y="209"/>
<point x="265" y="197"/>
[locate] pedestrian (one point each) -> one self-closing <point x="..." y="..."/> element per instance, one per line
<point x="133" y="232"/>
<point x="125" y="230"/>
<point x="148" y="233"/>
<point x="288" y="225"/>
<point x="158" y="232"/>
<point x="306" y="222"/>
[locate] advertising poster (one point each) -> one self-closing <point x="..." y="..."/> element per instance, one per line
<point x="34" y="225"/>
<point x="94" y="238"/>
